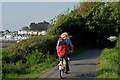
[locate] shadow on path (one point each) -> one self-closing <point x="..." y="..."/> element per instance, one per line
<point x="90" y="54"/>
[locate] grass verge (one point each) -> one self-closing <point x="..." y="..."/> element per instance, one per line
<point x="108" y="63"/>
<point x="33" y="71"/>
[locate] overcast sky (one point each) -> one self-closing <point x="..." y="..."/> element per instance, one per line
<point x="16" y="15"/>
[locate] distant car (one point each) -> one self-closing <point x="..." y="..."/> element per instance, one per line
<point x="112" y="37"/>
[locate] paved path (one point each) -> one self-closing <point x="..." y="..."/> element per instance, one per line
<point x="83" y="65"/>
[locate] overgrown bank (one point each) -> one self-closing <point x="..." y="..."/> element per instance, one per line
<point x="109" y="62"/>
<point x="29" y="57"/>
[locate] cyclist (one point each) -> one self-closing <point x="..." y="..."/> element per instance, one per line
<point x="68" y="41"/>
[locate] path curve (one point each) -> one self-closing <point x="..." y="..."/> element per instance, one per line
<point x="83" y="65"/>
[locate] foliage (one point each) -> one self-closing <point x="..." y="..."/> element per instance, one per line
<point x="34" y="66"/>
<point x="39" y="26"/>
<point x="20" y="70"/>
<point x="91" y="21"/>
<point x="31" y="57"/>
<point x="25" y="28"/>
<point x="20" y="57"/>
<point x="118" y="41"/>
<point x="109" y="62"/>
<point x="19" y="51"/>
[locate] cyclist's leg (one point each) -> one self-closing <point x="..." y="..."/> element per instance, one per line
<point x="67" y="65"/>
<point x="68" y="58"/>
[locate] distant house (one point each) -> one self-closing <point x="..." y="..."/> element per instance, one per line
<point x="22" y="32"/>
<point x="35" y="33"/>
<point x="31" y="32"/>
<point x="8" y="36"/>
<point x="7" y="32"/>
<point x="19" y="35"/>
<point x="39" y="33"/>
<point x="1" y="35"/>
<point x="43" y="32"/>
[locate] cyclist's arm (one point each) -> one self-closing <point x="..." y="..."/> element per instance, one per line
<point x="71" y="46"/>
<point x="57" y="45"/>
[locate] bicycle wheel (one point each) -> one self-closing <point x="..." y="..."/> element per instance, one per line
<point x="60" y="73"/>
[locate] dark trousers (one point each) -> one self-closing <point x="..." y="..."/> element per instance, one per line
<point x="67" y="65"/>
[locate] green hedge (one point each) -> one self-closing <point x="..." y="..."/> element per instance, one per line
<point x="118" y="41"/>
<point x="19" y="51"/>
<point x="28" y="55"/>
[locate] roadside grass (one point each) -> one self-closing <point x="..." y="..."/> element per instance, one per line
<point x="33" y="71"/>
<point x="108" y="63"/>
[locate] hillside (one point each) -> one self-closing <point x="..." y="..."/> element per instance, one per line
<point x="90" y="24"/>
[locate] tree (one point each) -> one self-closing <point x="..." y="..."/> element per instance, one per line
<point x="7" y="31"/>
<point x="39" y="26"/>
<point x="32" y="26"/>
<point x="91" y="21"/>
<point x="25" y="28"/>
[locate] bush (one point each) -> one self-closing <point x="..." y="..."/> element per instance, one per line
<point x="21" y="57"/>
<point x="19" y="51"/>
<point x="13" y="68"/>
<point x="118" y="41"/>
<point x="36" y="58"/>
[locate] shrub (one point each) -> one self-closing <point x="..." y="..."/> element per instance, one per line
<point x="118" y="41"/>
<point x="13" y="68"/>
<point x="35" y="58"/>
<point x="19" y="51"/>
<point x="20" y="57"/>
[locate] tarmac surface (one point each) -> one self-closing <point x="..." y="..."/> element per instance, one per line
<point x="82" y="66"/>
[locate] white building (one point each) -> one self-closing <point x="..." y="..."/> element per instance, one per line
<point x="35" y="33"/>
<point x="39" y="33"/>
<point x="32" y="32"/>
<point x="22" y="32"/>
<point x="43" y="32"/>
<point x="8" y="36"/>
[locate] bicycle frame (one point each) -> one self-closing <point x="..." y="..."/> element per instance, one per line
<point x="62" y="66"/>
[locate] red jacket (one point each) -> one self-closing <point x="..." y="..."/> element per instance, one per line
<point x="62" y="48"/>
